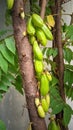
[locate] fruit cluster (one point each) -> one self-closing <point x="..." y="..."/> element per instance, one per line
<point x="39" y="33"/>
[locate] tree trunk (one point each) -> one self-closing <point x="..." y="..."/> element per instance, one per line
<point x="25" y="56"/>
<point x="59" y="59"/>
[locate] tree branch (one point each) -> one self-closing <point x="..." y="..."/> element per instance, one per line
<point x="43" y="8"/>
<point x="59" y="59"/>
<point x="25" y="56"/>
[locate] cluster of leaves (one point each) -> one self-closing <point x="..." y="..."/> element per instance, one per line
<point x="57" y="103"/>
<point x="68" y="58"/>
<point x="9" y="68"/>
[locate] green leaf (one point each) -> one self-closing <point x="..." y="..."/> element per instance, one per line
<point x="56" y="102"/>
<point x="10" y="76"/>
<point x="18" y="84"/>
<point x="69" y="93"/>
<point x="54" y="81"/>
<point x="6" y="80"/>
<point x="52" y="52"/>
<point x="10" y="44"/>
<point x="67" y="114"/>
<point x="49" y="52"/>
<point x="7" y="54"/>
<point x="69" y="67"/>
<point x="55" y="52"/>
<point x="8" y="19"/>
<point x="69" y="32"/>
<point x="2" y="33"/>
<point x="68" y="54"/>
<point x="3" y="87"/>
<point x="3" y="64"/>
<point x="71" y="38"/>
<point x="72" y="94"/>
<point x="57" y="108"/>
<point x="68" y="77"/>
<point x="1" y="96"/>
<point x="44" y="50"/>
<point x="2" y="125"/>
<point x="0" y="74"/>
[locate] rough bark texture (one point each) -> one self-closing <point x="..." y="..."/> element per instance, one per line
<point x="59" y="59"/>
<point x="25" y="55"/>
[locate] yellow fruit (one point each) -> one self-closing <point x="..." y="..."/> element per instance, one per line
<point x="32" y="39"/>
<point x="37" y="101"/>
<point x="47" y="97"/>
<point x="30" y="27"/>
<point x="44" y="104"/>
<point x="50" y="20"/>
<point x="44" y="85"/>
<point x="38" y="66"/>
<point x="47" y="32"/>
<point x="41" y="37"/>
<point x="41" y="112"/>
<point x="10" y="4"/>
<point x="48" y="76"/>
<point x="37" y="20"/>
<point x="37" y="51"/>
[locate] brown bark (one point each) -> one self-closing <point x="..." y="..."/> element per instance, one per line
<point x="25" y="55"/>
<point x="43" y="8"/>
<point x="59" y="59"/>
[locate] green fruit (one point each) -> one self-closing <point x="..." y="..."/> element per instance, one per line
<point x="50" y="126"/>
<point x="47" y="97"/>
<point x="32" y="39"/>
<point x="41" y="37"/>
<point x="37" y="20"/>
<point x="44" y="104"/>
<point x="47" y="32"/>
<point x="41" y="112"/>
<point x="53" y="126"/>
<point x="44" y="85"/>
<point x="37" y="51"/>
<point x="38" y="66"/>
<point x="10" y="4"/>
<point x="30" y="27"/>
<point x="37" y="102"/>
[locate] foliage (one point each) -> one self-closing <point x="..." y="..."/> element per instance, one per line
<point x="57" y="103"/>
<point x="67" y="112"/>
<point x="9" y="68"/>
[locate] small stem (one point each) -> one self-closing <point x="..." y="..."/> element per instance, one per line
<point x="67" y="14"/>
